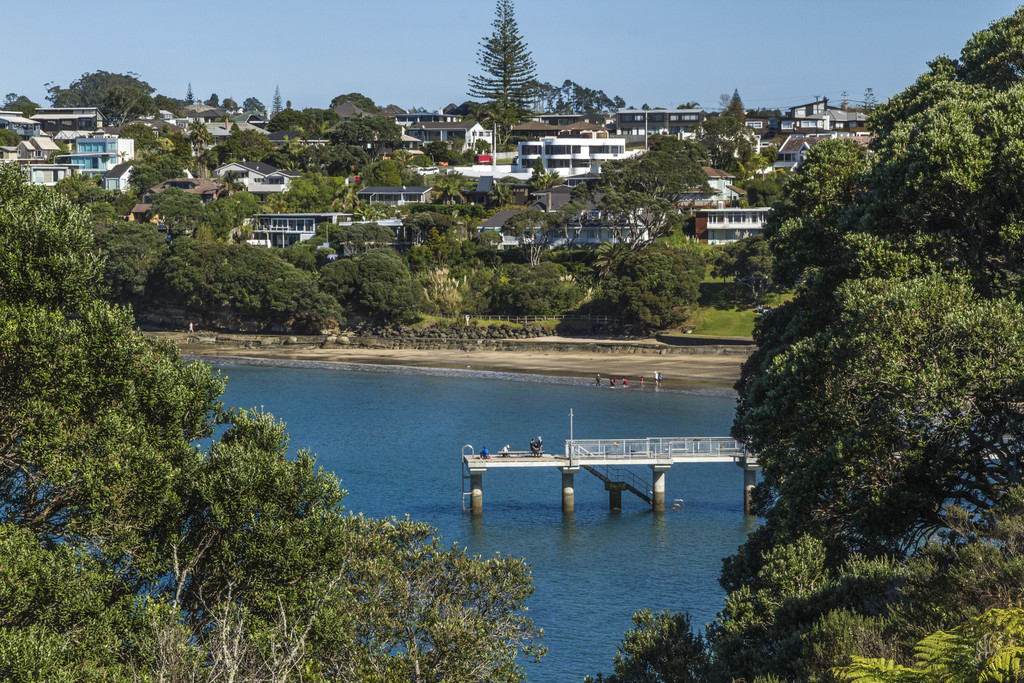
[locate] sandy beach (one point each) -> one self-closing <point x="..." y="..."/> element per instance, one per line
<point x="680" y="370"/>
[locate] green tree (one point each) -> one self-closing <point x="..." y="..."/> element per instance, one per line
<point x="275" y="106"/>
<point x="15" y="102"/>
<point x="154" y="170"/>
<point x="122" y="103"/>
<point x="93" y="90"/>
<point x="735" y="108"/>
<point x="543" y="289"/>
<point x="130" y="252"/>
<point x="373" y="133"/>
<point x="247" y="145"/>
<point x="653" y="288"/>
<point x="376" y="283"/>
<point x="8" y="138"/>
<point x="660" y="648"/>
<point x="639" y="191"/>
<point x="749" y="262"/>
<point x="253" y="104"/>
<point x="143" y="135"/>
<point x="509" y="78"/>
<point x="534" y="230"/>
<point x="180" y="212"/>
<point x="358" y="99"/>
<point x="384" y="173"/>
<point x="727" y="140"/>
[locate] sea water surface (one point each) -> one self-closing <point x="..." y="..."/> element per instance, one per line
<point x="394" y="437"/>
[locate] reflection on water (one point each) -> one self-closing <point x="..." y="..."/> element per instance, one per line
<point x="394" y="437"/>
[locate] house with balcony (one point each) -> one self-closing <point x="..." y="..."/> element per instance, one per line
<point x="395" y="196"/>
<point x="411" y="118"/>
<point x="258" y="178"/>
<point x="19" y="124"/>
<point x="637" y="125"/>
<point x="96" y="156"/>
<point x="285" y="229"/>
<point x="68" y="123"/>
<point x="724" y="226"/>
<point x="569" y="156"/>
<point x="468" y="132"/>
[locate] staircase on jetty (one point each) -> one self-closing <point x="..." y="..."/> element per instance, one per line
<point x="606" y="458"/>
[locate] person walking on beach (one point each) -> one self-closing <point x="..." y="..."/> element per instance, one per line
<point x="641" y="381"/>
<point x="613" y="381"/>
<point x="625" y="383"/>
<point x="598" y="380"/>
<point x="190" y="328"/>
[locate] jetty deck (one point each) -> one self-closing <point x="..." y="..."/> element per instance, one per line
<point x="606" y="458"/>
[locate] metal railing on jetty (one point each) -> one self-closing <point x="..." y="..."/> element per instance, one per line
<point x="696" y="449"/>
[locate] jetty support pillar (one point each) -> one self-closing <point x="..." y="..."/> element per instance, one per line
<point x="658" y="486"/>
<point x="568" y="491"/>
<point x="749" y="480"/>
<point x="615" y="489"/>
<point x="476" y="488"/>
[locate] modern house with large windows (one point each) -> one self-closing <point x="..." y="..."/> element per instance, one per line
<point x="285" y="229"/>
<point x="68" y="123"/>
<point x="96" y="156"/>
<point x="570" y="156"/>
<point x="639" y="124"/>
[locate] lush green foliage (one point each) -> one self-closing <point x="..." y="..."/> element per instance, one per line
<point x="133" y="545"/>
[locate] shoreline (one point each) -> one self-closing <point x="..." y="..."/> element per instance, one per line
<point x="691" y="372"/>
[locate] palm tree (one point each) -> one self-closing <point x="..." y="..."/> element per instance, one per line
<point x="447" y="188"/>
<point x="608" y="257"/>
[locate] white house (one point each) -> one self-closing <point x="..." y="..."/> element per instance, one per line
<point x="570" y="156"/>
<point x="469" y="132"/>
<point x="723" y="226"/>
<point x="259" y="179"/>
<point x="395" y="196"/>
<point x="96" y="156"/>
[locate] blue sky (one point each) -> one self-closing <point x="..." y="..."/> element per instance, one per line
<point x="659" y="52"/>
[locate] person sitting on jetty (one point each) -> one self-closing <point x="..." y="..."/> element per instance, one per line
<point x="535" y="446"/>
<point x="485" y="453"/>
<point x="504" y="451"/>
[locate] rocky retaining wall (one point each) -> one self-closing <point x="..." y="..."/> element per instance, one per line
<point x="428" y="344"/>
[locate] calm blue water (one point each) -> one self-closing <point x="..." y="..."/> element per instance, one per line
<point x="394" y="438"/>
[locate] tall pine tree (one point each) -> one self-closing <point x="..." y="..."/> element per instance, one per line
<point x="275" y="107"/>
<point x="509" y="77"/>
<point x="189" y="97"/>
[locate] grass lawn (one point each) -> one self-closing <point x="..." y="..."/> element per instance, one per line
<point x="722" y="314"/>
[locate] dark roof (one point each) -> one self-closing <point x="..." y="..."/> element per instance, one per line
<point x="258" y="166"/>
<point x="347" y="110"/>
<point x="392" y="110"/>
<point x="536" y="125"/>
<point x="420" y="189"/>
<point x="280" y="135"/>
<point x="498" y="219"/>
<point x="117" y="171"/>
<point x="463" y="109"/>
